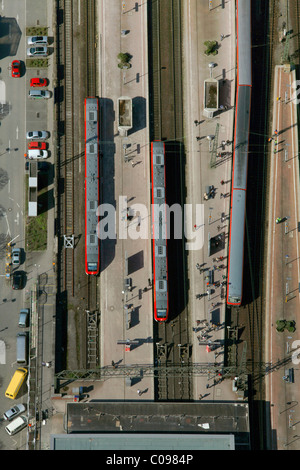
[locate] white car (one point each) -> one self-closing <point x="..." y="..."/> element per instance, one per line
<point x="38" y="51"/>
<point x="41" y="135"/>
<point x="37" y="40"/>
<point x="36" y="154"/>
<point x="39" y="94"/>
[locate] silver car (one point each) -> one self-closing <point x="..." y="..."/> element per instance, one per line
<point x="13" y="412"/>
<point x="40" y="135"/>
<point x="16" y="256"/>
<point x="38" y="51"/>
<point x="39" y="94"/>
<point x="37" y="40"/>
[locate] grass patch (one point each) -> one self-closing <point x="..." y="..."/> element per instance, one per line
<point x="36" y="227"/>
<point x="37" y="63"/>
<point x="37" y="31"/>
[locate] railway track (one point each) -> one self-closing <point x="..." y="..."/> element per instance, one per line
<point x="91" y="81"/>
<point x="92" y="298"/>
<point x="67" y="153"/>
<point x="172" y="338"/>
<point x="266" y="53"/>
<point x="91" y="47"/>
<point x="73" y="284"/>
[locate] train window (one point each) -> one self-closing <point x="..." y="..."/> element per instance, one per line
<point x="93" y="205"/>
<point x="92" y="148"/>
<point x="161" y="313"/>
<point x="92" y="116"/>
<point x="92" y="240"/>
<point x="159" y="160"/>
<point x="160" y="192"/>
<point x="161" y="285"/>
<point x="160" y="250"/>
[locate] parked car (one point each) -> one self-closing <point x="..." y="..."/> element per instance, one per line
<point x="24" y="318"/>
<point x="37" y="40"/>
<point x="37" y="135"/>
<point x="37" y="145"/>
<point x="39" y="51"/>
<point x="16" y="69"/>
<point x="18" y="280"/>
<point x="16" y="256"/>
<point x="14" y="412"/>
<point x="37" y="82"/>
<point x="39" y="94"/>
<point x="36" y="154"/>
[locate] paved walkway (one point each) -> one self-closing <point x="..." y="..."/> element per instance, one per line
<point x="283" y="263"/>
<point x="127" y="183"/>
<point x="200" y="25"/>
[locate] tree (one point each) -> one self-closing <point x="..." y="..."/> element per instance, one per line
<point x="211" y="47"/>
<point x="124" y="59"/>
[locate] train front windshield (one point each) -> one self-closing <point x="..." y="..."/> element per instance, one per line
<point x="161" y="313"/>
<point x="92" y="267"/>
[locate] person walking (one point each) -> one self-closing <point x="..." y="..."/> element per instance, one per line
<point x="139" y="392"/>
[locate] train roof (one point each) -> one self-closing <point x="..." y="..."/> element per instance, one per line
<point x="237" y="230"/>
<point x="240" y="163"/>
<point x="159" y="225"/>
<point x="91" y="182"/>
<point x="244" y="42"/>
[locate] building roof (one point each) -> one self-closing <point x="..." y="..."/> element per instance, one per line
<point x="155" y="425"/>
<point x="127" y="442"/>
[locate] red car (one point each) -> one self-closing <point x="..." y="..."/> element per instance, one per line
<point x="16" y="69"/>
<point x="37" y="145"/>
<point x="38" y="82"/>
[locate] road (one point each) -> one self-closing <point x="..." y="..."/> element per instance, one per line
<point x="21" y="115"/>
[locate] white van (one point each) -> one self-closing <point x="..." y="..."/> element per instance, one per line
<point x="35" y="154"/>
<point x="16" y="425"/>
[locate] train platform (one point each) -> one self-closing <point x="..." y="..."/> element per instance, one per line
<point x="283" y="267"/>
<point x="126" y="326"/>
<point x="209" y="162"/>
<point x="126" y="181"/>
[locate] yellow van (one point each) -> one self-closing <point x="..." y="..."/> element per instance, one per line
<point x="15" y="383"/>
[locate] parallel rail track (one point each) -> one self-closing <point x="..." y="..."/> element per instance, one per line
<point x="91" y="90"/>
<point x="67" y="156"/>
<point x="172" y="338"/>
<point x="91" y="47"/>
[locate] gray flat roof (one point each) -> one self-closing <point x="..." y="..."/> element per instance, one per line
<point x="110" y="423"/>
<point x="127" y="442"/>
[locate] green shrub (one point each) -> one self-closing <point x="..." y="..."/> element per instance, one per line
<point x="211" y="47"/>
<point x="288" y="325"/>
